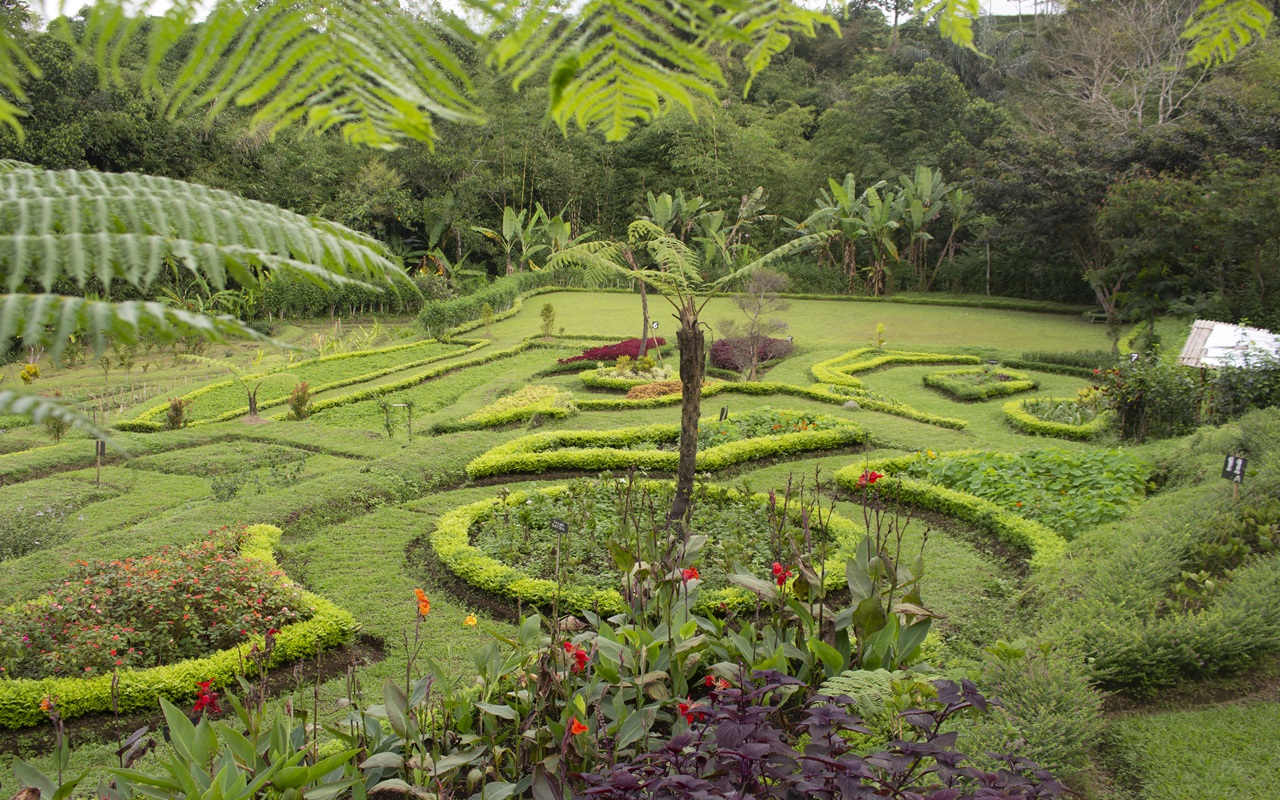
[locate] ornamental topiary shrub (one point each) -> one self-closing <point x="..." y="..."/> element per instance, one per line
<point x="611" y="352"/>
<point x="734" y="353"/>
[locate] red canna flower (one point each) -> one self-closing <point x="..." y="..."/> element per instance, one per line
<point x="691" y="574"/>
<point x="868" y="477"/>
<point x="577" y="727"/>
<point x="424" y="605"/>
<point x="691" y="712"/>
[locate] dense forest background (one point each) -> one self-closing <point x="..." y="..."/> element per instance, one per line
<point x="1101" y="166"/>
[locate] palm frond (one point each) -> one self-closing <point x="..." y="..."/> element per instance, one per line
<point x="40" y="408"/>
<point x="955" y="19"/>
<point x="80" y="225"/>
<point x="769" y="27"/>
<point x="374" y="69"/>
<point x="50" y="320"/>
<point x="1219" y="28"/>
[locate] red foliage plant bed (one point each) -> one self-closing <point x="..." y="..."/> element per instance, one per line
<point x="734" y="353"/>
<point x="144" y="612"/>
<point x="611" y="352"/>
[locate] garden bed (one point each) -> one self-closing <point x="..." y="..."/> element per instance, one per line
<point x="840" y="370"/>
<point x="1063" y="418"/>
<point x="86" y="688"/>
<point x="980" y="383"/>
<point x="651" y="447"/>
<point x="480" y="542"/>
<point x="519" y="406"/>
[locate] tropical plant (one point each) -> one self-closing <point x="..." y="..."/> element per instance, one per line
<point x="517" y="238"/>
<point x="677" y="273"/>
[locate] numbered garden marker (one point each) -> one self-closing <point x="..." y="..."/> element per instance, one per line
<point x="654" y="325"/>
<point x="1233" y="470"/>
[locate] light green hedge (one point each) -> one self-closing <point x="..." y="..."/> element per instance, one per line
<point x="763" y="388"/>
<point x="142" y="689"/>
<point x="947" y="382"/>
<point x="840" y="370"/>
<point x="595" y="451"/>
<point x="1026" y="422"/>
<point x="594" y="380"/>
<point x="545" y="401"/>
<point x="1044" y="544"/>
<point x="451" y="541"/>
<point x="150" y="420"/>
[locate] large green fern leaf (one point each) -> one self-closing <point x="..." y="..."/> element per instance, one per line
<point x="1219" y="28"/>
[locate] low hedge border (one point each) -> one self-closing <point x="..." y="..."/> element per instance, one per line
<point x="1045" y="366"/>
<point x="965" y="391"/>
<point x="1043" y="543"/>
<point x="762" y="388"/>
<point x="594" y="451"/>
<point x="1025" y="422"/>
<point x="594" y="380"/>
<point x="545" y="407"/>
<point x="839" y="370"/>
<point x="145" y="421"/>
<point x="1000" y="303"/>
<point x="451" y="541"/>
<point x="142" y="689"/>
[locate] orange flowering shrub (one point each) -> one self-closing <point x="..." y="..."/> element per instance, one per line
<point x="646" y="391"/>
<point x="144" y="612"/>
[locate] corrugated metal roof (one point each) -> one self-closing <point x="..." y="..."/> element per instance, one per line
<point x="1220" y="344"/>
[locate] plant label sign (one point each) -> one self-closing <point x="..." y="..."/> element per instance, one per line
<point x="559" y="526"/>
<point x="1233" y="468"/>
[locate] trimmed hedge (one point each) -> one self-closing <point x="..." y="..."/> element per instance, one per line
<point x="1044" y="544"/>
<point x="555" y="404"/>
<point x="762" y="388"/>
<point x="1025" y="422"/>
<point x="839" y="370"/>
<point x="964" y="301"/>
<point x="1045" y="366"/>
<point x="148" y="421"/>
<point x="451" y="541"/>
<point x="142" y="689"/>
<point x="946" y="381"/>
<point x="594" y="451"/>
<point x="594" y="380"/>
<point x="502" y="295"/>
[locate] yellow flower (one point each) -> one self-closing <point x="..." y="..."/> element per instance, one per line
<point x="470" y="620"/>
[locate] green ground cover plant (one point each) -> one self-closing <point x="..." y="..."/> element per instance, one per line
<point x="1068" y="492"/>
<point x="981" y="383"/>
<point x="1082" y="417"/>
<point x="38" y="516"/>
<point x="226" y="400"/>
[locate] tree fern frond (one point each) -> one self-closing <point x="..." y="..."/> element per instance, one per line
<point x="50" y="320"/>
<point x="1219" y="28"/>
<point x="769" y="25"/>
<point x="955" y="19"/>
<point x="40" y="408"/>
<point x="79" y="225"/>
<point x="374" y="69"/>
<point x="15" y="65"/>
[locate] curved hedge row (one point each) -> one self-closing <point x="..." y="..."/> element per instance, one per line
<point x="1045" y="366"/>
<point x="147" y="421"/>
<point x="142" y="689"/>
<point x="1027" y="423"/>
<point x="594" y="380"/>
<point x="967" y="391"/>
<point x="1044" y="544"/>
<point x="839" y="370"/>
<point x="554" y="403"/>
<point x="594" y="451"/>
<point x="764" y="388"/>
<point x="451" y="541"/>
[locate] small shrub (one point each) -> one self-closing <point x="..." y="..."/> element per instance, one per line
<point x="627" y="347"/>
<point x="29" y="374"/>
<point x="548" y="315"/>
<point x="734" y="353"/>
<point x="175" y="416"/>
<point x="486" y="316"/>
<point x="1153" y="398"/>
<point x="56" y="427"/>
<point x="647" y="391"/>
<point x="300" y="401"/>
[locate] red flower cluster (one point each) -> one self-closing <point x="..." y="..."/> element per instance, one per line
<point x="868" y="477"/>
<point x="691" y="711"/>
<point x="712" y="682"/>
<point x="611" y="352"/>
<point x="207" y="700"/>
<point x="579" y="656"/>
<point x="691" y="574"/>
<point x="144" y="612"/>
<point x="780" y="574"/>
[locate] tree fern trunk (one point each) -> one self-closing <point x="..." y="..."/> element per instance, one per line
<point x="692" y="366"/>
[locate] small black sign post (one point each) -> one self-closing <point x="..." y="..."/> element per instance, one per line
<point x="724" y="413"/>
<point x="559" y="526"/>
<point x="1233" y="470"/>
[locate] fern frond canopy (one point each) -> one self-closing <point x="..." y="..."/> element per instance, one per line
<point x="1219" y="28"/>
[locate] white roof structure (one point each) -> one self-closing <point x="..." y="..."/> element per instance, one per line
<point x="1221" y="344"/>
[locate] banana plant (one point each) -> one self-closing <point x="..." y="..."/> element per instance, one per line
<point x="880" y="219"/>
<point x="921" y="202"/>
<point x="839" y="210"/>
<point x="518" y="238"/>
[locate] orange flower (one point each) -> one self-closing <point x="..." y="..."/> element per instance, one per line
<point x="46" y="704"/>
<point x="577" y="727"/>
<point x="424" y="605"/>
